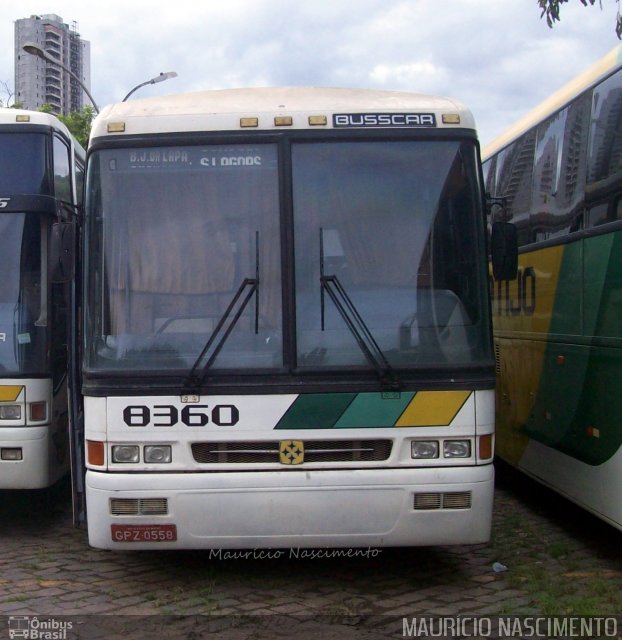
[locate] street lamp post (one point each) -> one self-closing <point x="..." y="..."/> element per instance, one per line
<point x="159" y="78"/>
<point x="35" y="50"/>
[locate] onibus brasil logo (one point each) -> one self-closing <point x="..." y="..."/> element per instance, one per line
<point x="31" y="628"/>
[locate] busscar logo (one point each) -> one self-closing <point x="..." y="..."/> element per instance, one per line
<point x="384" y="120"/>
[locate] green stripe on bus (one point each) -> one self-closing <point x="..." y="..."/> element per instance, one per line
<point x="578" y="406"/>
<point x="374" y="410"/>
<point x="316" y="411"/>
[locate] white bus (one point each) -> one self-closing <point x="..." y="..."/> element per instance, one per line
<point x="286" y="337"/>
<point x="41" y="175"/>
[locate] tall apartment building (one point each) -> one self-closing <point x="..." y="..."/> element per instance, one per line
<point x="39" y="82"/>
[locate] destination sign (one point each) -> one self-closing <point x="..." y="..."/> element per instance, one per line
<point x="192" y="158"/>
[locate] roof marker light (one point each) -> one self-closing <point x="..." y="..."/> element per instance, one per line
<point x="451" y="118"/>
<point x="283" y="121"/>
<point x="318" y="121"/>
<point x="116" y="127"/>
<point x="249" y="122"/>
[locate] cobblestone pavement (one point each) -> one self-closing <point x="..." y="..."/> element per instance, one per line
<point x="548" y="549"/>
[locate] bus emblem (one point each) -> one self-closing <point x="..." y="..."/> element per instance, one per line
<point x="291" y="452"/>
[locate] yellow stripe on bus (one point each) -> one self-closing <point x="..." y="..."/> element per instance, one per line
<point x="433" y="408"/>
<point x="10" y="392"/>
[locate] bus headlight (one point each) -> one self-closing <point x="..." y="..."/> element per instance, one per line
<point x="125" y="453"/>
<point x="457" y="449"/>
<point x="421" y="449"/>
<point x="158" y="453"/>
<point x="10" y="412"/>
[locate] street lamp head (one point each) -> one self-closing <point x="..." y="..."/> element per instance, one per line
<point x="35" y="50"/>
<point x="164" y="75"/>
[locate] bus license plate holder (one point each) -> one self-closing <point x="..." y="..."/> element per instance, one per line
<point x="143" y="532"/>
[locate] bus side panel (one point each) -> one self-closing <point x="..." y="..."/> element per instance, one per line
<point x="558" y="401"/>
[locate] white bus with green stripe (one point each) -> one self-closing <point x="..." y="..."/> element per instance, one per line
<point x="558" y="328"/>
<point x="286" y="337"/>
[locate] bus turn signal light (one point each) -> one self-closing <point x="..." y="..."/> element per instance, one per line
<point x="485" y="447"/>
<point x="95" y="452"/>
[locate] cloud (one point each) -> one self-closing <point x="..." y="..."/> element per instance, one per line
<point x="499" y="58"/>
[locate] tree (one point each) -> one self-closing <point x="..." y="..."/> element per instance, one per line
<point x="78" y="122"/>
<point x="5" y="89"/>
<point x="550" y="9"/>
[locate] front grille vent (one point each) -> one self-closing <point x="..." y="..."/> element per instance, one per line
<point x="139" y="507"/>
<point x="314" y="451"/>
<point x="450" y="500"/>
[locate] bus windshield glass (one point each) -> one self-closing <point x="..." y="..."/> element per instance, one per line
<point x="175" y="234"/>
<point x="391" y="229"/>
<point x="185" y="245"/>
<point x="23" y="164"/>
<point x="23" y="317"/>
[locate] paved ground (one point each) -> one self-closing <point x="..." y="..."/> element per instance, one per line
<point x="558" y="560"/>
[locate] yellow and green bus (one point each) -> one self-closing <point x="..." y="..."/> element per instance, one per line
<point x="558" y="324"/>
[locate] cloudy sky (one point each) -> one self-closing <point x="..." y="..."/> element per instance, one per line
<point x="497" y="56"/>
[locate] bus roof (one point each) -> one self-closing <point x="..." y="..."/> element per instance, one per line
<point x="23" y="116"/>
<point x="273" y="109"/>
<point x="557" y="100"/>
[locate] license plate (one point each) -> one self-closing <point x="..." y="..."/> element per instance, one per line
<point x="143" y="532"/>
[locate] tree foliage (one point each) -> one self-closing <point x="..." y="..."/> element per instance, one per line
<point x="78" y="122"/>
<point x="550" y="9"/>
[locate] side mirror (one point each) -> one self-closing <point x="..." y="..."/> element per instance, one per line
<point x="62" y="251"/>
<point x="504" y="251"/>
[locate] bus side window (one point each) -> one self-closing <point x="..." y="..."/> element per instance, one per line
<point x="599" y="214"/>
<point x="62" y="174"/>
<point x="79" y="172"/>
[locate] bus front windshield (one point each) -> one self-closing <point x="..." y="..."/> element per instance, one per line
<point x="23" y="298"/>
<point x="186" y="247"/>
<point x="23" y="164"/>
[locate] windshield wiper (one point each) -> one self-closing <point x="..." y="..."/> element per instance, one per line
<point x="227" y="323"/>
<point x="331" y="285"/>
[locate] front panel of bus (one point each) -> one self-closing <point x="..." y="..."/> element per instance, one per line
<point x="33" y="341"/>
<point x="287" y="341"/>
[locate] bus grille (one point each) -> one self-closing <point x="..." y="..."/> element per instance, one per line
<point x="450" y="500"/>
<point x="314" y="451"/>
<point x="139" y="507"/>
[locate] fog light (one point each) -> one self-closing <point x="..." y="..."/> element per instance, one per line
<point x="38" y="411"/>
<point x="457" y="449"/>
<point x="10" y="412"/>
<point x="424" y="449"/>
<point x="159" y="453"/>
<point x="12" y="453"/>
<point x="125" y="453"/>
